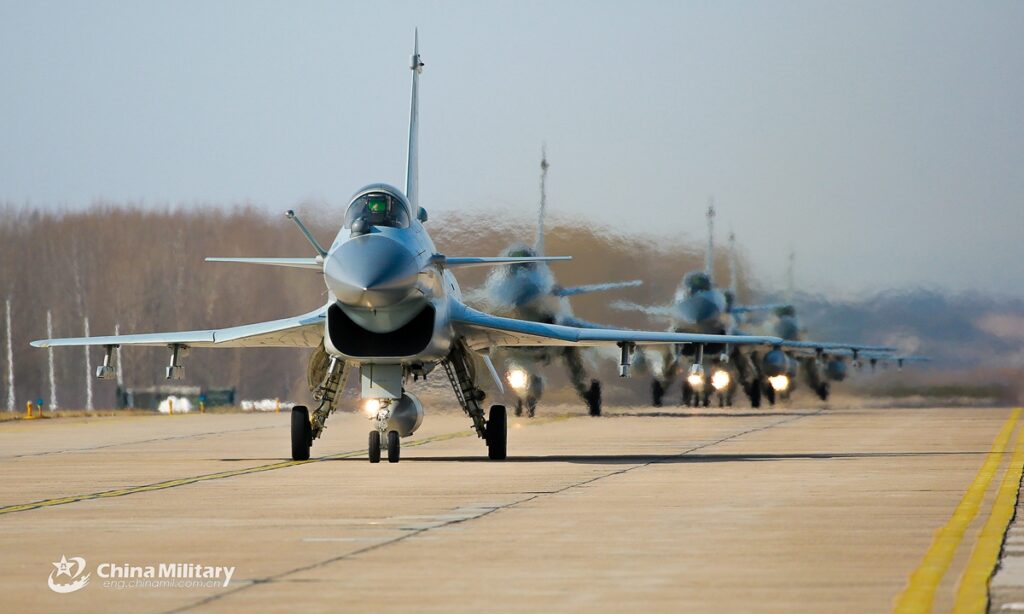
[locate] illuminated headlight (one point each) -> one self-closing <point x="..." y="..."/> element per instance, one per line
<point x="696" y="380"/>
<point x="517" y="378"/>
<point x="779" y="383"/>
<point x="371" y="407"/>
<point x="720" y="379"/>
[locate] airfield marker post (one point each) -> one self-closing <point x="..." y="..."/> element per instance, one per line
<point x="28" y="410"/>
<point x="170" y="406"/>
<point x="277" y="408"/>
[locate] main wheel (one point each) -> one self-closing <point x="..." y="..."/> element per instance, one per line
<point x="519" y="407"/>
<point x="394" y="446"/>
<point x="823" y="391"/>
<point x="754" y="392"/>
<point x="374" y="446"/>
<point x="687" y="394"/>
<point x="769" y="393"/>
<point x="497" y="433"/>
<point x="594" y="398"/>
<point x="657" y="392"/>
<point x="302" y="433"/>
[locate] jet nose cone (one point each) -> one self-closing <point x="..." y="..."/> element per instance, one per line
<point x="371" y="271"/>
<point x="787" y="328"/>
<point x="700" y="308"/>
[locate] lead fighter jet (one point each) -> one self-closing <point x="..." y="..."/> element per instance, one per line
<point x="395" y="311"/>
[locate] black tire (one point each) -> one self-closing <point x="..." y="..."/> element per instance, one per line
<point x="754" y="392"/>
<point x="497" y="433"/>
<point x="687" y="394"/>
<point x="707" y="399"/>
<point x="531" y="406"/>
<point x="394" y="447"/>
<point x="823" y="391"/>
<point x="721" y="400"/>
<point x="594" y="398"/>
<point x="519" y="407"/>
<point x="657" y="393"/>
<point x="302" y="433"/>
<point x="374" y="446"/>
<point x="769" y="394"/>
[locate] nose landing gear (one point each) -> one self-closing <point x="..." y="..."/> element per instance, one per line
<point x="392" y="443"/>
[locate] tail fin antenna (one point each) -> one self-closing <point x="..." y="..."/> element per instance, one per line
<point x="709" y="255"/>
<point x="538" y="243"/>
<point x="412" y="158"/>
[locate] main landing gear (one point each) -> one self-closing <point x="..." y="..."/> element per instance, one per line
<point x="326" y="377"/>
<point x="494" y="429"/>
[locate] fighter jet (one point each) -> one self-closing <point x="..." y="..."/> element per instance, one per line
<point x="820" y="363"/>
<point x="394" y="310"/>
<point x="701" y="307"/>
<point x="528" y="292"/>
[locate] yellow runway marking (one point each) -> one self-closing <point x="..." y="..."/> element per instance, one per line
<point x="120" y="492"/>
<point x="972" y="595"/>
<point x="919" y="594"/>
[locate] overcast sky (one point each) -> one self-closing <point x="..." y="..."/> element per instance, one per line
<point x="883" y="141"/>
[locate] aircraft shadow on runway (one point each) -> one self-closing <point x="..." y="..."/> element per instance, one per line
<point x="710" y="414"/>
<point x="642" y="459"/>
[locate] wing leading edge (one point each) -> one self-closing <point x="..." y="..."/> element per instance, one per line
<point x="482" y="330"/>
<point x="306" y="330"/>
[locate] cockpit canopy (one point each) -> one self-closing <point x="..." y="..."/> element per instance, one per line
<point x="379" y="205"/>
<point x="786" y="311"/>
<point x="521" y="251"/>
<point x="697" y="281"/>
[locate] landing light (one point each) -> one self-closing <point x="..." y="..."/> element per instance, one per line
<point x="720" y="379"/>
<point x="371" y="407"/>
<point x="696" y="377"/>
<point x="779" y="382"/>
<point x="517" y="378"/>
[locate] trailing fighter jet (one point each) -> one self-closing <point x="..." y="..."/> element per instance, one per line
<point x="395" y="311"/>
<point x="528" y="292"/>
<point x="820" y="363"/>
<point x="700" y="307"/>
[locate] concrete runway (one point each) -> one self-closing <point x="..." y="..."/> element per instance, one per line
<point x="704" y="510"/>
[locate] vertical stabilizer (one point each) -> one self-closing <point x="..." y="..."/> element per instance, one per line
<point x="790" y="282"/>
<point x="709" y="255"/>
<point x="734" y="281"/>
<point x="538" y="243"/>
<point x="412" y="173"/>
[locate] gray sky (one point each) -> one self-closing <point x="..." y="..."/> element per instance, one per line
<point x="883" y="141"/>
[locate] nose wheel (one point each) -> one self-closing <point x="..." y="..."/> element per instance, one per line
<point x="392" y="444"/>
<point x="374" y="446"/>
<point x="394" y="447"/>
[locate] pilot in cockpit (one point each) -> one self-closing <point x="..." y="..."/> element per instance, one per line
<point x="378" y="209"/>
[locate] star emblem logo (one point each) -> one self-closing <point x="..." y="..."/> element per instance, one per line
<point x="72" y="568"/>
<point x="63" y="566"/>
